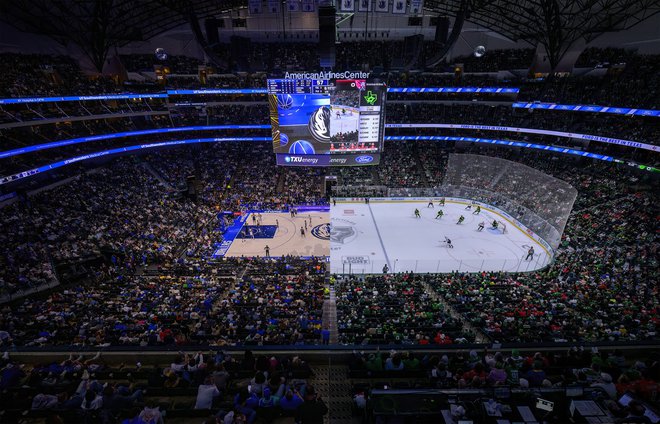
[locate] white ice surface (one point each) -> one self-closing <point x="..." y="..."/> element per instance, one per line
<point x="368" y="236"/>
<point x="346" y="123"/>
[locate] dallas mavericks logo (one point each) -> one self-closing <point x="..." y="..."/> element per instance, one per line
<point x="322" y="231"/>
<point x="319" y="124"/>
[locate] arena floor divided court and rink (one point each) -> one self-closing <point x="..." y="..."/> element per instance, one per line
<point x="365" y="237"/>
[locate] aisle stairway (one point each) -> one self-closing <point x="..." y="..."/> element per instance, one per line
<point x="330" y="315"/>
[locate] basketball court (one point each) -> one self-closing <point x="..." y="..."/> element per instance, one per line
<point x="281" y="233"/>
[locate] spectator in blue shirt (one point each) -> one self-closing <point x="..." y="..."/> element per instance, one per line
<point x="290" y="402"/>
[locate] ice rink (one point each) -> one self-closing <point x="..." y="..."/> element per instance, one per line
<point x="346" y="122"/>
<point x="366" y="237"/>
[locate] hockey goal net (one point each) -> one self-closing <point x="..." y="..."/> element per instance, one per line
<point x="501" y="226"/>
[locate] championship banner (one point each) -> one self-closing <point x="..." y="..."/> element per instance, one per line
<point x="293" y="5"/>
<point x="308" y="6"/>
<point x="416" y="6"/>
<point x="399" y="7"/>
<point x="347" y="5"/>
<point x="364" y="6"/>
<point x="274" y="6"/>
<point x="382" y="6"/>
<point x="255" y="7"/>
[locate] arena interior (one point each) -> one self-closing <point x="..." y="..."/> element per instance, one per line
<point x="171" y="251"/>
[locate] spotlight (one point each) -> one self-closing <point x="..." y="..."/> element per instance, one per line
<point x="479" y="51"/>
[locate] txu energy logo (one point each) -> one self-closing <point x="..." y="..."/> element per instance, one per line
<point x="371" y="98"/>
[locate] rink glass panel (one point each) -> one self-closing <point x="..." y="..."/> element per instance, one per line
<point x="538" y="200"/>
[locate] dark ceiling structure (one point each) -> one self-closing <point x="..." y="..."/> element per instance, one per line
<point x="98" y="25"/>
<point x="555" y="24"/>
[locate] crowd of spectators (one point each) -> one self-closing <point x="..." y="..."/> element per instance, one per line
<point x="224" y="388"/>
<point x="629" y="80"/>
<point x="27" y="75"/>
<point x="403" y="166"/>
<point x="642" y="130"/>
<point x="28" y="112"/>
<point x="276" y="303"/>
<point x="393" y="309"/>
<point x="603" y="376"/>
<point x="496" y="60"/>
<point x="585" y="296"/>
<point x="156" y="285"/>
<point x="130" y="212"/>
<point x="25" y="262"/>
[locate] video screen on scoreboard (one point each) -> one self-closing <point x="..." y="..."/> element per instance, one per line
<point x="327" y="122"/>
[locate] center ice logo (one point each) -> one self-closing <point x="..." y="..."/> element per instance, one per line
<point x="322" y="231"/>
<point x="341" y="234"/>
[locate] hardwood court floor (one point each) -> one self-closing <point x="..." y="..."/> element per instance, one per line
<point x="287" y="239"/>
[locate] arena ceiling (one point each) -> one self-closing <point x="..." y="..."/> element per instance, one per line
<point x="97" y="25"/>
<point x="530" y="20"/>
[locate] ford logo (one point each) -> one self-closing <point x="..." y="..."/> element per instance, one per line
<point x="364" y="159"/>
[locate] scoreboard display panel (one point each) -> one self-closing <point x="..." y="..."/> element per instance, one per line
<point x="327" y="122"/>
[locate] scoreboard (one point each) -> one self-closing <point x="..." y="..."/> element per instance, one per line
<point x="294" y="86"/>
<point x="327" y="122"/>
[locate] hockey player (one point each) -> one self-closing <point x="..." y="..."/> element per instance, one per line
<point x="481" y="226"/>
<point x="338" y="115"/>
<point x="430" y="205"/>
<point x="441" y="202"/>
<point x="477" y="211"/>
<point x="417" y="215"/>
<point x="439" y="214"/>
<point x="468" y="207"/>
<point x="461" y="219"/>
<point x="530" y="253"/>
<point x="495" y="224"/>
<point x="449" y="245"/>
